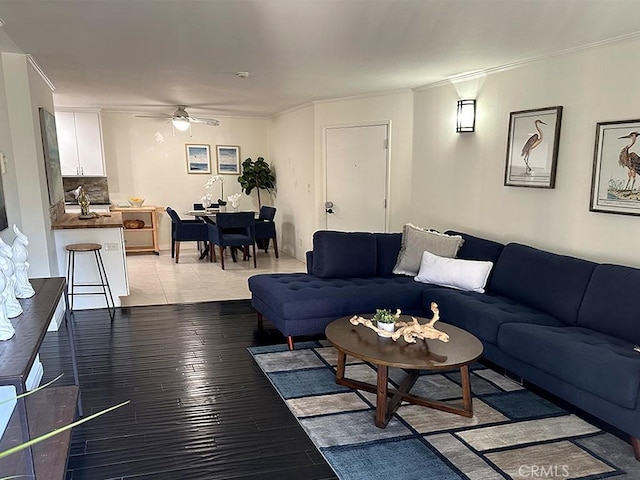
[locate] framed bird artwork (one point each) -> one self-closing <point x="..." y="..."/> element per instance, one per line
<point x="532" y="147"/>
<point x="616" y="164"/>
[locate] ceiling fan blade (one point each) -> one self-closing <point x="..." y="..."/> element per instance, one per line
<point x="207" y="121"/>
<point x="169" y="117"/>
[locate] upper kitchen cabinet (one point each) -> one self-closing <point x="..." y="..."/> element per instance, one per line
<point x="80" y="143"/>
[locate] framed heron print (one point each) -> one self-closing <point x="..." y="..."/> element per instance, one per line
<point x="532" y="147"/>
<point x="616" y="164"/>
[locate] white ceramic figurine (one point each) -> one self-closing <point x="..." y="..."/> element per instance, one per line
<point x="20" y="255"/>
<point x="6" y="328"/>
<point x="6" y="265"/>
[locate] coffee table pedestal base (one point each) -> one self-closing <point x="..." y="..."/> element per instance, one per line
<point x="389" y="399"/>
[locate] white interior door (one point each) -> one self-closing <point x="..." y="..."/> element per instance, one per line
<point x="356" y="160"/>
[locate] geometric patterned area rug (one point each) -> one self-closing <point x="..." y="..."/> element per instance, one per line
<point x="513" y="433"/>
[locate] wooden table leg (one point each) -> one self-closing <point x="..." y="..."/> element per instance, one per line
<point x="635" y="443"/>
<point x="381" y="396"/>
<point x="342" y="359"/>
<point x="467" y="404"/>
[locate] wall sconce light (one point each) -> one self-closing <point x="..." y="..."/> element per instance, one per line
<point x="466" y="117"/>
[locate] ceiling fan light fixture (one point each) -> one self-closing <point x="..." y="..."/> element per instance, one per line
<point x="181" y="123"/>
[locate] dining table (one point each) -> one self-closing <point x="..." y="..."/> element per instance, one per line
<point x="209" y="216"/>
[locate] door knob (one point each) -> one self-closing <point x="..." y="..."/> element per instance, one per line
<point x="328" y="207"/>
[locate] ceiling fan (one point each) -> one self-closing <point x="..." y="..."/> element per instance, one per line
<point x="182" y="121"/>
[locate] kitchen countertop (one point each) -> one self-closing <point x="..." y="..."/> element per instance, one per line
<point x="71" y="220"/>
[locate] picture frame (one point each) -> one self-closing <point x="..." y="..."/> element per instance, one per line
<point x="198" y="159"/>
<point x="4" y="222"/>
<point x="51" y="156"/>
<point x="615" y="187"/>
<point x="228" y="157"/>
<point x="532" y="147"/>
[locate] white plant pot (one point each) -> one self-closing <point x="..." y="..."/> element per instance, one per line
<point x="388" y="327"/>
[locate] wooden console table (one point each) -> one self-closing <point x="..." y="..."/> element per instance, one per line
<point x="50" y="408"/>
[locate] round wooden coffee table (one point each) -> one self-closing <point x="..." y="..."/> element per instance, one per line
<point x="358" y="341"/>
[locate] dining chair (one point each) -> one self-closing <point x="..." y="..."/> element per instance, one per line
<point x="232" y="230"/>
<point x="200" y="206"/>
<point x="266" y="229"/>
<point x="185" y="231"/>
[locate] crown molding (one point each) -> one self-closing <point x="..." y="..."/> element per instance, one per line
<point x="463" y="77"/>
<point x="40" y="72"/>
<point x="362" y="96"/>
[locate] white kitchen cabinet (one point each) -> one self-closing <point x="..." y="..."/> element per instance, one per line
<point x="80" y="143"/>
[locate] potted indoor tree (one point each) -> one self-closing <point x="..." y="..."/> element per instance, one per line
<point x="256" y="175"/>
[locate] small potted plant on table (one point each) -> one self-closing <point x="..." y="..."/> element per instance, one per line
<point x="385" y="320"/>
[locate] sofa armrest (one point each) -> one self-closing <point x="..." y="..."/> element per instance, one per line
<point x="310" y="262"/>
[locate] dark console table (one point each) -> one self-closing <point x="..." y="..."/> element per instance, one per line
<point x="50" y="408"/>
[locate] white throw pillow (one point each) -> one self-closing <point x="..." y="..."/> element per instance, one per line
<point x="416" y="240"/>
<point x="469" y="275"/>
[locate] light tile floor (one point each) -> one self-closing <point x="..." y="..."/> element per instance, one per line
<point x="157" y="279"/>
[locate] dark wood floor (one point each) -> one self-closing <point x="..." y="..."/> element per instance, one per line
<point x="200" y="406"/>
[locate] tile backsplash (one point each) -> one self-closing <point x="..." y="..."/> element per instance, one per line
<point x="96" y="187"/>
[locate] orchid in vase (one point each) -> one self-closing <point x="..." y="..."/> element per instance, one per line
<point x="208" y="199"/>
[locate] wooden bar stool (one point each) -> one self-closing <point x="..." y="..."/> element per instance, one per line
<point x="104" y="282"/>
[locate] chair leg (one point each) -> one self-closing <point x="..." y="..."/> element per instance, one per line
<point x="635" y="443"/>
<point x="275" y="246"/>
<point x="173" y="248"/>
<point x="212" y="252"/>
<point x="260" y="323"/>
<point x="290" y="342"/>
<point x="177" y="251"/>
<point x="222" y="256"/>
<point x="254" y="255"/>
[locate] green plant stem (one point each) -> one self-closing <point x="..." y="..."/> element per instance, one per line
<point x="55" y="432"/>
<point x="26" y="394"/>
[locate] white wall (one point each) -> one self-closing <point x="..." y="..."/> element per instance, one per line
<point x="296" y="145"/>
<point x="25" y="183"/>
<point x="458" y="178"/>
<point x="291" y="149"/>
<point x="394" y="107"/>
<point x="144" y="159"/>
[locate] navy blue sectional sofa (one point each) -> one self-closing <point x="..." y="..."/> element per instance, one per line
<point x="564" y="324"/>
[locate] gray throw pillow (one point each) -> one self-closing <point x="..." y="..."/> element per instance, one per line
<point x="416" y="240"/>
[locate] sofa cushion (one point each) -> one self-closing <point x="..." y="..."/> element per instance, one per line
<point x="549" y="282"/>
<point x="482" y="314"/>
<point x="416" y="240"/>
<point x="470" y="275"/>
<point x="302" y="296"/>
<point x="388" y="247"/>
<point x="476" y="248"/>
<point x="610" y="303"/>
<point x="594" y="362"/>
<point x="344" y="254"/>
